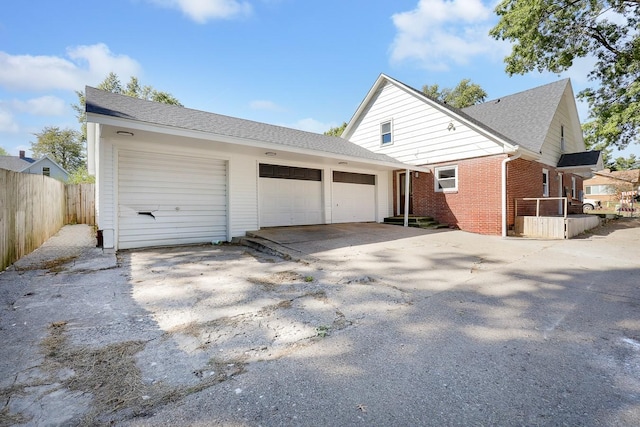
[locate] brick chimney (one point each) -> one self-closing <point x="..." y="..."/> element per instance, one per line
<point x="22" y="154"/>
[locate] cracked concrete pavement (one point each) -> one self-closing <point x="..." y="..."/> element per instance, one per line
<point x="377" y="325"/>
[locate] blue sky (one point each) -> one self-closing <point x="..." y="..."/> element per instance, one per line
<point x="298" y="63"/>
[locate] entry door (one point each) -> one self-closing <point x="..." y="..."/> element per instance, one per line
<point x="402" y="181"/>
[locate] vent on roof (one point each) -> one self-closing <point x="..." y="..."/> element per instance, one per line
<point x="497" y="100"/>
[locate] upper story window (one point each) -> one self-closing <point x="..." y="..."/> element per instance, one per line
<point x="545" y="183"/>
<point x="562" y="144"/>
<point x="446" y="178"/>
<point x="46" y="171"/>
<point x="385" y="133"/>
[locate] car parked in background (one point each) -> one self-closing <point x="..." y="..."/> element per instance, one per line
<point x="590" y="204"/>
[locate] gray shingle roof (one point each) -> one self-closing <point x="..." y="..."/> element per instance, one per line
<point x="523" y="117"/>
<point x="15" y="163"/>
<point x="586" y="158"/>
<point x="126" y="107"/>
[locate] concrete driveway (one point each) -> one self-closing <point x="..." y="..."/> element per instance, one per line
<point x="375" y="325"/>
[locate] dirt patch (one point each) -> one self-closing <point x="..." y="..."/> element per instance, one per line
<point x="273" y="281"/>
<point x="53" y="265"/>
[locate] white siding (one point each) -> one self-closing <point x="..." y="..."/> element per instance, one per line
<point x="106" y="192"/>
<point x="565" y="115"/>
<point x="243" y="197"/>
<point x="421" y="133"/>
<point x="166" y="199"/>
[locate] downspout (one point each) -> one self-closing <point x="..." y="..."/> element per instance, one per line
<point x="407" y="182"/>
<point x="504" y="192"/>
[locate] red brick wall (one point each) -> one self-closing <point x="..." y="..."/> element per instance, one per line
<point x="476" y="206"/>
<point x="524" y="179"/>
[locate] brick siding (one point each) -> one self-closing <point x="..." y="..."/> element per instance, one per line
<point x="476" y="206"/>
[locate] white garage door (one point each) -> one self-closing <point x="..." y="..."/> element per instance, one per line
<point x="170" y="200"/>
<point x="354" y="197"/>
<point x="290" y="196"/>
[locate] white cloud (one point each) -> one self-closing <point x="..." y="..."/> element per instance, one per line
<point x="202" y="11"/>
<point x="265" y="105"/>
<point x="84" y="65"/>
<point x="311" y="125"/>
<point x="7" y="122"/>
<point x="438" y="33"/>
<point x="42" y="106"/>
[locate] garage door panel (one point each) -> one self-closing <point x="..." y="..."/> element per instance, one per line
<point x="187" y="197"/>
<point x="290" y="202"/>
<point x="353" y="202"/>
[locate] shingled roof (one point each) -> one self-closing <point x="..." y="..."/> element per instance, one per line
<point x="15" y="163"/>
<point x="523" y="117"/>
<point x="126" y="107"/>
<point x="585" y="158"/>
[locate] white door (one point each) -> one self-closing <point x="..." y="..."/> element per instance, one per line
<point x="354" y="198"/>
<point x="170" y="200"/>
<point x="293" y="199"/>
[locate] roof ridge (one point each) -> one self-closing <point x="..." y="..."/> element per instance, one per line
<point x="523" y="92"/>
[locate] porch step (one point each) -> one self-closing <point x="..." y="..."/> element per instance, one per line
<point x="416" y="221"/>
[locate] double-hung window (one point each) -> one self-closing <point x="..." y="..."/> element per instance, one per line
<point x="446" y="178"/>
<point x="46" y="171"/>
<point x="545" y="183"/>
<point x="573" y="187"/>
<point x="386" y="137"/>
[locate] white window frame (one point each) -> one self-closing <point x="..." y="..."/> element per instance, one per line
<point x="562" y="141"/>
<point x="601" y="189"/>
<point x="390" y="133"/>
<point x="437" y="179"/>
<point x="46" y="171"/>
<point x="573" y="187"/>
<point x="545" y="182"/>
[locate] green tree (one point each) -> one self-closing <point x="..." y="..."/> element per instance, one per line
<point x="64" y="146"/>
<point x="336" y="131"/>
<point x="81" y="176"/>
<point x="625" y="163"/>
<point x="3" y="152"/>
<point x="549" y="35"/>
<point x="112" y="83"/>
<point x="463" y="95"/>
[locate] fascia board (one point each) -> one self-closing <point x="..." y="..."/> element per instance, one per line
<point x="169" y="130"/>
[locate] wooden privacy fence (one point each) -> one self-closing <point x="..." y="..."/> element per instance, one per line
<point x="81" y="204"/>
<point x="33" y="208"/>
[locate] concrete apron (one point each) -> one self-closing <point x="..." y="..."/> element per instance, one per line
<point x="413" y="258"/>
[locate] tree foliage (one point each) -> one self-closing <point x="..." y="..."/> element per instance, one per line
<point x="625" y="163"/>
<point x="3" y="152"/>
<point x="336" y="131"/>
<point x="112" y="83"/>
<point x="463" y="95"/>
<point x="81" y="176"/>
<point x="64" y="146"/>
<point x="549" y="35"/>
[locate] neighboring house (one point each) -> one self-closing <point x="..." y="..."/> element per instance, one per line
<point x="612" y="188"/>
<point x="481" y="158"/>
<point x="168" y="175"/>
<point x="42" y="166"/>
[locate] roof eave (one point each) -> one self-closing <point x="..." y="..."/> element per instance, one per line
<point x="237" y="141"/>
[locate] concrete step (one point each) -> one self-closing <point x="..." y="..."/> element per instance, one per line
<point x="416" y="221"/>
<point x="253" y="240"/>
